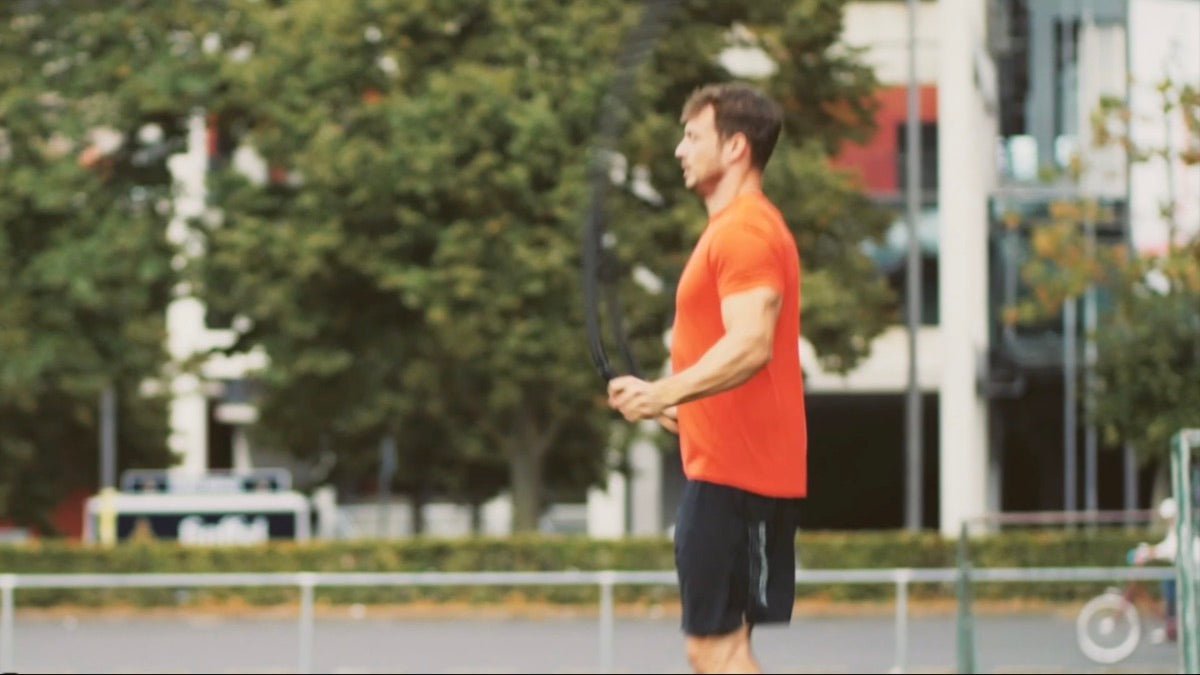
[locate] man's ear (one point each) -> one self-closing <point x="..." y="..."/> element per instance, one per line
<point x="737" y="145"/>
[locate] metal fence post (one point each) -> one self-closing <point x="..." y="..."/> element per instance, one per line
<point x="903" y="576"/>
<point x="8" y="584"/>
<point x="965" y="633"/>
<point x="1186" y="585"/>
<point x="307" y="581"/>
<point x="607" y="579"/>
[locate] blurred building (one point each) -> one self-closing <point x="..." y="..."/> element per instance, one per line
<point x="1007" y="89"/>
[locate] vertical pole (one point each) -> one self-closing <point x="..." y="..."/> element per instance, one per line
<point x="1084" y="70"/>
<point x="1131" y="473"/>
<point x="8" y="584"/>
<point x="107" y="518"/>
<point x="1070" y="424"/>
<point x="1179" y="490"/>
<point x="307" y="582"/>
<point x="1090" y="440"/>
<point x="606" y="622"/>
<point x="107" y="525"/>
<point x="1188" y="615"/>
<point x="1131" y="486"/>
<point x="913" y="446"/>
<point x="108" y="437"/>
<point x="965" y="180"/>
<point x="966" y="622"/>
<point x="388" y="462"/>
<point x="901" y="659"/>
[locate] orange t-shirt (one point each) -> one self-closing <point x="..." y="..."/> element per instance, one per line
<point x="753" y="437"/>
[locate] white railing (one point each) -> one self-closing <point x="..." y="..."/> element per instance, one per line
<point x="606" y="580"/>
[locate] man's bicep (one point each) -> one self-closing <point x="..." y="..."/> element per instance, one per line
<point x="753" y="312"/>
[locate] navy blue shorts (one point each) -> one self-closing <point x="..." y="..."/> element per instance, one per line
<point x="735" y="552"/>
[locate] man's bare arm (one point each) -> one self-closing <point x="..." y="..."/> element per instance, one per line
<point x="746" y="347"/>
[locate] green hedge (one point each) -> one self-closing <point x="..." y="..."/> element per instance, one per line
<point x="817" y="550"/>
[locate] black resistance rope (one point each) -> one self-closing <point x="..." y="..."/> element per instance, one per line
<point x="599" y="265"/>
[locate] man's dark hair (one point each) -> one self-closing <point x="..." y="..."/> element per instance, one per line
<point x="740" y="109"/>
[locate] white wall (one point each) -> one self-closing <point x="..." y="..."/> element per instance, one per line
<point x="1102" y="72"/>
<point x="185" y="315"/>
<point x="885" y="370"/>
<point x="606" y="508"/>
<point x="187" y="333"/>
<point x="1164" y="42"/>
<point x="646" y="460"/>
<point x="882" y="27"/>
<point x="641" y="497"/>
<point x="964" y="121"/>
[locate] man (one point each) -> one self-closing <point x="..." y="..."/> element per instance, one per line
<point x="736" y="394"/>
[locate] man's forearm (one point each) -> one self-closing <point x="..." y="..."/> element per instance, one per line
<point x="733" y="360"/>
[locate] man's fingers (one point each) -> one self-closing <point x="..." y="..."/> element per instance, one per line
<point x="631" y="397"/>
<point x="627" y="393"/>
<point x="619" y="384"/>
<point x="630" y="403"/>
<point x="617" y="388"/>
<point x="624" y="400"/>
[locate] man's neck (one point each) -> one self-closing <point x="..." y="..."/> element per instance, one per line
<point x="731" y="186"/>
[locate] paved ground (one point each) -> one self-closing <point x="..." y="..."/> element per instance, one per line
<point x="358" y="642"/>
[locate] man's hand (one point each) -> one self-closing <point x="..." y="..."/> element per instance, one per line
<point x="669" y="419"/>
<point x="635" y="399"/>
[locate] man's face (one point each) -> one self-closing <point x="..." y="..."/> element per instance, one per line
<point x="700" y="153"/>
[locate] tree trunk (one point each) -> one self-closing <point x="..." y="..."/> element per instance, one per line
<point x="526" y="453"/>
<point x="417" y="505"/>
<point x="525" y="474"/>
<point x="1161" y="487"/>
<point x="476" y="517"/>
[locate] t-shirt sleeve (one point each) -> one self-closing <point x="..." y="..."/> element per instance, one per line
<point x="743" y="258"/>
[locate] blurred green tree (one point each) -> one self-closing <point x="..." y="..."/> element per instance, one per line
<point x="409" y="254"/>
<point x="1148" y="345"/>
<point x="92" y="102"/>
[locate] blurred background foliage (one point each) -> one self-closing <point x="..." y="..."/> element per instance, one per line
<point x="1148" y="340"/>
<point x="395" y="201"/>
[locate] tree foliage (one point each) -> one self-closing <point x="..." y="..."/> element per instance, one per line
<point x="411" y="260"/>
<point x="1148" y="344"/>
<point x="397" y="196"/>
<point x="92" y="102"/>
